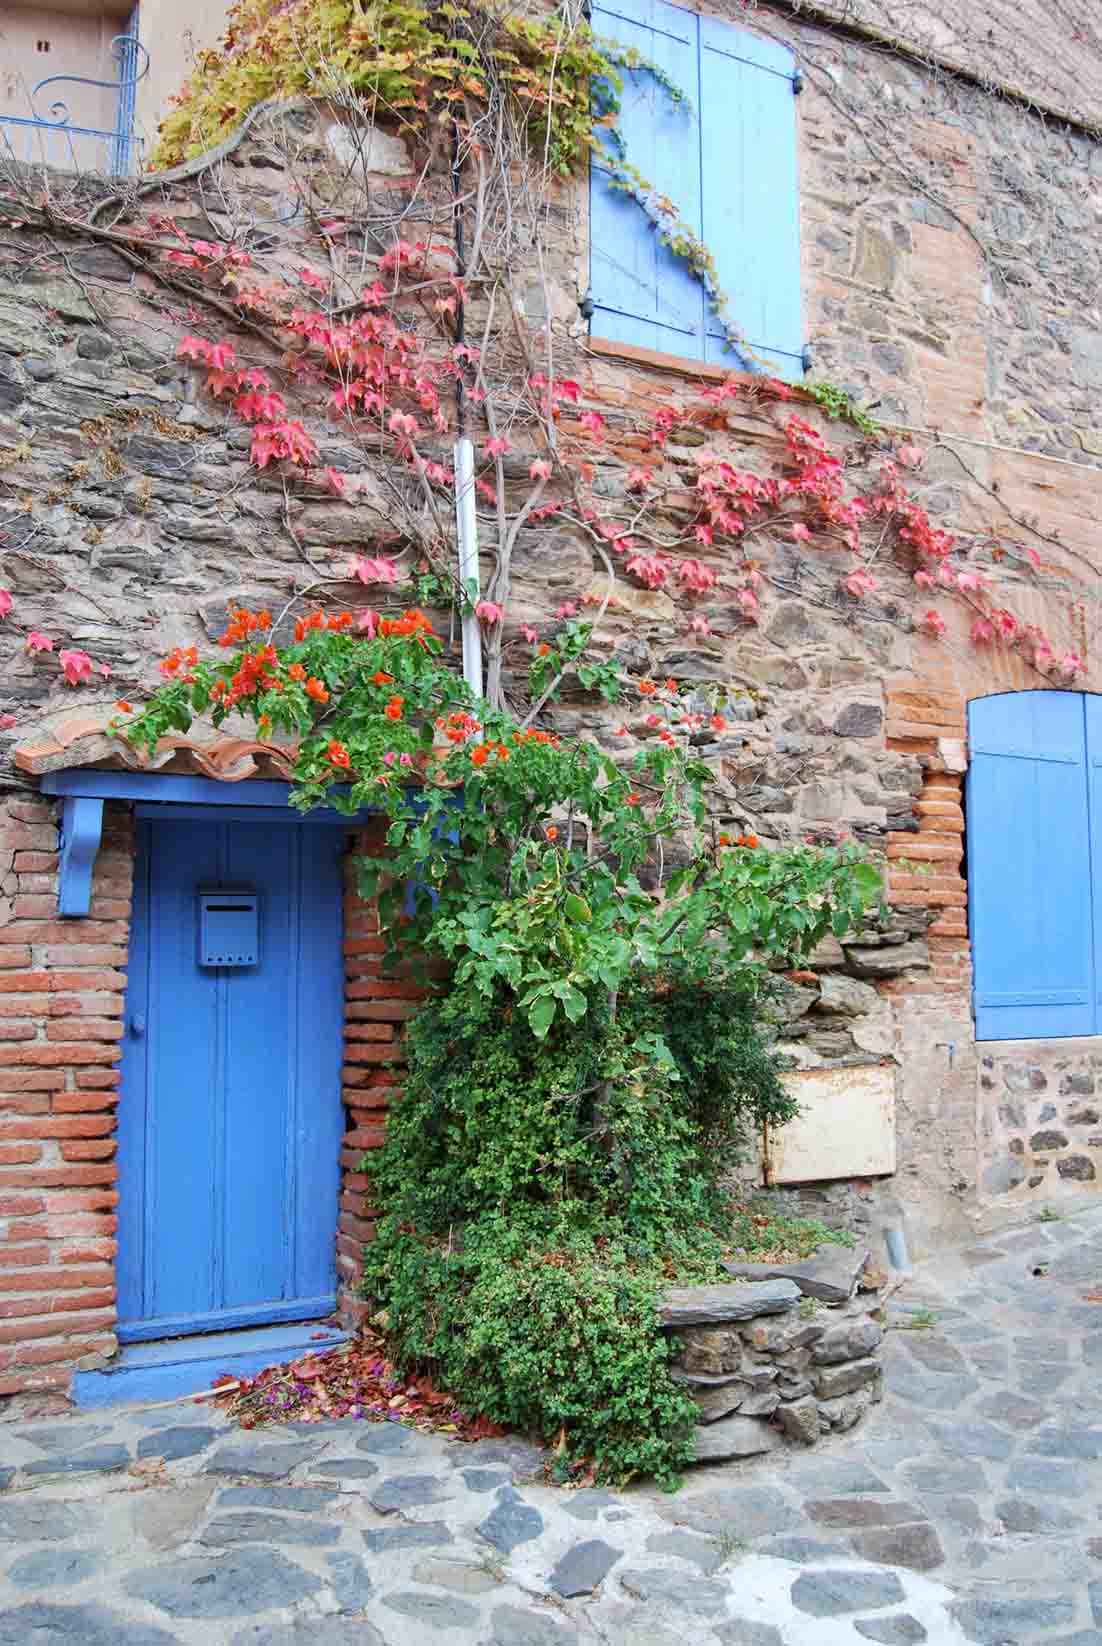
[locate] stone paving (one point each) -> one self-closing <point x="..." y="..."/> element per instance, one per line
<point x="964" y="1509"/>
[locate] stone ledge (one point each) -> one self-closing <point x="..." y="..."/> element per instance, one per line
<point x="830" y="1274"/>
<point x="762" y="1371"/>
<point x="711" y="1305"/>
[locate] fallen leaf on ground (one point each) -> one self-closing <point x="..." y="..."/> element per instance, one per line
<point x="353" y="1379"/>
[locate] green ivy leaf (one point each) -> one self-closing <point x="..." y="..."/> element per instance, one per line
<point x="541" y="1015"/>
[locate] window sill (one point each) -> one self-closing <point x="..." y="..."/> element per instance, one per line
<point x="631" y="354"/>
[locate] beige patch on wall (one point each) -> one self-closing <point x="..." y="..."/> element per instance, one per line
<point x="845" y="1127"/>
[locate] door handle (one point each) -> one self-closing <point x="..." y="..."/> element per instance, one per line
<point x="137" y="1026"/>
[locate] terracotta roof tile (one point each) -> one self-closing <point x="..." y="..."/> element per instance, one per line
<point x="83" y="741"/>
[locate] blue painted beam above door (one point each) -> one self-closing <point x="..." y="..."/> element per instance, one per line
<point x="157" y="795"/>
<point x="190" y="791"/>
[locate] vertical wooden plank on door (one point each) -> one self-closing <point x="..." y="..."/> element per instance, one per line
<point x="184" y="1077"/>
<point x="316" y="1110"/>
<point x="751" y="194"/>
<point x="642" y="293"/>
<point x="1028" y="851"/>
<point x="256" y="1163"/>
<point x="133" y="1090"/>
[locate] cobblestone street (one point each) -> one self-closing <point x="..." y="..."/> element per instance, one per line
<point x="965" y="1508"/>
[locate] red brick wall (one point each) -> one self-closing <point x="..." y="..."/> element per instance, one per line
<point x="62" y="991"/>
<point x="61" y="1003"/>
<point x="377" y="1004"/>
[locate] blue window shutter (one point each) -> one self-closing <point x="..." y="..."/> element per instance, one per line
<point x="751" y="194"/>
<point x="1029" y="866"/>
<point x="1092" y="712"/>
<point x="642" y="293"/>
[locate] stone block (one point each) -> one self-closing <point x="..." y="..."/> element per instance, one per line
<point x="844" y="1411"/>
<point x="368" y="151"/>
<point x="799" y="1420"/>
<point x="851" y="1341"/>
<point x="733" y="1437"/>
<point x="829" y="1275"/>
<point x="711" y="1305"/>
<point x="833" y="1381"/>
<point x="710" y="1351"/>
<point x="889" y="961"/>
<point x="715" y="1399"/>
<point x="847" y="996"/>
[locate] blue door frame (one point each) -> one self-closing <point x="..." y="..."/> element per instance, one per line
<point x="230" y="1113"/>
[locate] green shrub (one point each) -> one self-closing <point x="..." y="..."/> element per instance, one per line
<point x="539" y="1194"/>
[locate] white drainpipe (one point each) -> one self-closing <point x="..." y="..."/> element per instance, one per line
<point x="466" y="524"/>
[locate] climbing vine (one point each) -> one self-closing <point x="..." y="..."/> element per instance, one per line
<point x="390" y="331"/>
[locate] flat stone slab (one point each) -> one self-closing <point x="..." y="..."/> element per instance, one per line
<point x="351" y="1580"/>
<point x="299" y="1499"/>
<point x="347" y="1468"/>
<point x="712" y="1305"/>
<point x="685" y="1592"/>
<point x="95" y="1460"/>
<point x="705" y="1552"/>
<point x="858" y="1512"/>
<point x="230" y="1530"/>
<point x="899" y="1630"/>
<point x="402" y="1492"/>
<point x="175" y="1443"/>
<point x="583" y="1568"/>
<point x="514" y="1626"/>
<point x="314" y="1631"/>
<point x="915" y="1546"/>
<point x="740" y="1512"/>
<point x="1002" y="1620"/>
<point x="27" y="1520"/>
<point x="54" y="1568"/>
<point x="437" y="1611"/>
<point x="733" y="1437"/>
<point x="83" y="1625"/>
<point x="830" y="1275"/>
<point x="838" y="1593"/>
<point x="485" y="1480"/>
<point x="239" y="1584"/>
<point x="511" y="1522"/>
<point x="388" y="1440"/>
<point x="61" y="1437"/>
<point x="461" y="1576"/>
<point x="429" y="1534"/>
<point x="265" y="1462"/>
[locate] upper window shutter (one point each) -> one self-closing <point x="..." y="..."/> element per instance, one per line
<point x="641" y="292"/>
<point x="1029" y="890"/>
<point x="751" y="193"/>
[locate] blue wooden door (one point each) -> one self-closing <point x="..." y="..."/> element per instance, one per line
<point x="230" y="1113"/>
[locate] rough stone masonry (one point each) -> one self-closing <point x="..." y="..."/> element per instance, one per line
<point x="949" y="241"/>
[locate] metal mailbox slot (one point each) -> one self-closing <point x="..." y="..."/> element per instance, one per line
<point x="229" y="926"/>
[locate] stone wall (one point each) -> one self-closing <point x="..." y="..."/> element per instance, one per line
<point x="783" y="1353"/>
<point x="1040" y="1105"/>
<point x="949" y="241"/>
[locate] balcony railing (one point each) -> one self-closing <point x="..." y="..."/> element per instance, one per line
<point x="53" y="139"/>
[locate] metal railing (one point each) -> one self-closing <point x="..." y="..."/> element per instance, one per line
<point x="52" y="139"/>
